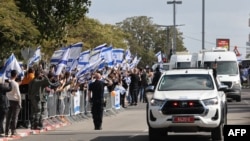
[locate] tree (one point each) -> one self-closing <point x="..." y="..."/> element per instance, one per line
<point x="53" y="17"/>
<point x="92" y="33"/>
<point x="16" y="30"/>
<point x="147" y="38"/>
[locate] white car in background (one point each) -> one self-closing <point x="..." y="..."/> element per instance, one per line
<point x="186" y="100"/>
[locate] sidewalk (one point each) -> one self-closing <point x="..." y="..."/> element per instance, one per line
<point x="53" y="123"/>
<point x="49" y="124"/>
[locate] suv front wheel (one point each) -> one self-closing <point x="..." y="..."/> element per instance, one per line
<point x="217" y="133"/>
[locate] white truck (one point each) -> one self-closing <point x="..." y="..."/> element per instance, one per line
<point x="186" y="100"/>
<point x="227" y="70"/>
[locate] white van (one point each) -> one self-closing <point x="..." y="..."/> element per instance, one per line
<point x="180" y="60"/>
<point x="196" y="60"/>
<point x="227" y="70"/>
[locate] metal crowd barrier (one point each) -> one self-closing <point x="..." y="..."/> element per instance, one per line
<point x="74" y="105"/>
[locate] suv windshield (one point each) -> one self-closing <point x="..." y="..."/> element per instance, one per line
<point x="186" y="82"/>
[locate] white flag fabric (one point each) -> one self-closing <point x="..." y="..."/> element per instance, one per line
<point x="106" y="54"/>
<point x="95" y="53"/>
<point x="159" y="57"/>
<point x="96" y="65"/>
<point x="133" y="63"/>
<point x="89" y="68"/>
<point x="125" y="65"/>
<point x="36" y="57"/>
<point x="94" y="56"/>
<point x="83" y="59"/>
<point x="137" y="61"/>
<point x="99" y="48"/>
<point x="74" y="53"/>
<point x="11" y="64"/>
<point x="118" y="55"/>
<point x="82" y="72"/>
<point x="63" y="62"/>
<point x="57" y="56"/>
<point x="128" y="55"/>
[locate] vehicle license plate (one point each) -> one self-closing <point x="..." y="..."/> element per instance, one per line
<point x="183" y="119"/>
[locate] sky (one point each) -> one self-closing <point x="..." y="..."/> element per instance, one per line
<point x="227" y="19"/>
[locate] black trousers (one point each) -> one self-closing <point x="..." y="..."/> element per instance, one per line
<point x="134" y="95"/>
<point x="122" y="99"/>
<point x="97" y="113"/>
<point x="12" y="117"/>
<point x="35" y="115"/>
<point x="3" y="112"/>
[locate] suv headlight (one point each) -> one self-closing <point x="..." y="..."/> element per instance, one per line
<point x="212" y="101"/>
<point x="157" y="102"/>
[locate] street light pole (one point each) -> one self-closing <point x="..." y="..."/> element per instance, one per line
<point x="174" y="3"/>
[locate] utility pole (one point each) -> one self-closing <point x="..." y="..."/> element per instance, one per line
<point x="168" y="35"/>
<point x="174" y="3"/>
<point x="203" y="24"/>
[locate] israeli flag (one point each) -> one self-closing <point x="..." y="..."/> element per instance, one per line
<point x="159" y="57"/>
<point x="118" y="55"/>
<point x="83" y="59"/>
<point x="99" y="48"/>
<point x="97" y="65"/>
<point x="90" y="68"/>
<point x="56" y="57"/>
<point x="82" y="72"/>
<point x="133" y="63"/>
<point x="63" y="62"/>
<point x="128" y="55"/>
<point x="74" y="66"/>
<point x="11" y="64"/>
<point x="95" y="55"/>
<point x="74" y="53"/>
<point x="36" y="57"/>
<point x="106" y="54"/>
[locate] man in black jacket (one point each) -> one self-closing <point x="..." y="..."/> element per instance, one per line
<point x="156" y="77"/>
<point x="96" y="97"/>
<point x="4" y="102"/>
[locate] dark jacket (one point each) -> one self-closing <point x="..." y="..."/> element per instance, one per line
<point x="4" y="102"/>
<point x="156" y="77"/>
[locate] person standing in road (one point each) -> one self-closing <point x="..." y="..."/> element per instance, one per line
<point x="4" y="102"/>
<point x="143" y="84"/>
<point x="134" y="86"/>
<point x="156" y="76"/>
<point x="96" y="97"/>
<point x="15" y="100"/>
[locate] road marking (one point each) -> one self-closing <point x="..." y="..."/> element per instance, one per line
<point x="133" y="136"/>
<point x="146" y="130"/>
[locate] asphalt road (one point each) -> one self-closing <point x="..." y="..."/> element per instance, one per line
<point x="130" y="125"/>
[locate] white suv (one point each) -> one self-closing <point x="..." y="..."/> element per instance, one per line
<point x="186" y="100"/>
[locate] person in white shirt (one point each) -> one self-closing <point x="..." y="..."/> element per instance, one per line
<point x="15" y="100"/>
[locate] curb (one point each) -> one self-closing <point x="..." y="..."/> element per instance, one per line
<point x="55" y="122"/>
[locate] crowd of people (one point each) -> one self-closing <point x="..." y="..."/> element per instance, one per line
<point x="38" y="82"/>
